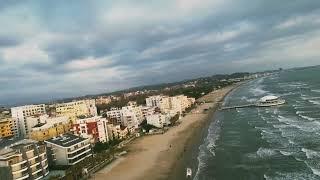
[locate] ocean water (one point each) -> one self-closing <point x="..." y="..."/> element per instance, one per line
<point x="266" y="143"/>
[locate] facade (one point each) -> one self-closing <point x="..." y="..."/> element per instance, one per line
<point x="147" y="111"/>
<point x="51" y="127"/>
<point x="94" y="128"/>
<point x="171" y="105"/>
<point x="19" y="116"/>
<point x="24" y="159"/>
<point x="117" y="131"/>
<point x="68" y="149"/>
<point x="6" y="127"/>
<point x="115" y="113"/>
<point x="132" y="115"/>
<point x="75" y="109"/>
<point x="158" y="120"/>
<point x="103" y="100"/>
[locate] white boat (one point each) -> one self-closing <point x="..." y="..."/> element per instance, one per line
<point x="268" y="101"/>
<point x="189" y="173"/>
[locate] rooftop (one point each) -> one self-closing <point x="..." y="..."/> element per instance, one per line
<point x="66" y="140"/>
<point x="268" y="98"/>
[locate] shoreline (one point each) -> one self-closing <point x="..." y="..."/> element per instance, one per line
<point x="165" y="156"/>
<point x="191" y="155"/>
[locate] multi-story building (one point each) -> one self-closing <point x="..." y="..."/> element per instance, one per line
<point x="5" y="127"/>
<point x="117" y="131"/>
<point x="103" y="100"/>
<point x="75" y="109"/>
<point x="53" y="126"/>
<point x="153" y="101"/>
<point x="23" y="159"/>
<point x="147" y="111"/>
<point x="158" y="120"/>
<point x="131" y="115"/>
<point x="19" y="116"/>
<point x="172" y="105"/>
<point x="68" y="149"/>
<point x="93" y="128"/>
<point x="115" y="113"/>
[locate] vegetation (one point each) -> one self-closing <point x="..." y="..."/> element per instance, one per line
<point x="100" y="146"/>
<point x="174" y="119"/>
<point x="147" y="127"/>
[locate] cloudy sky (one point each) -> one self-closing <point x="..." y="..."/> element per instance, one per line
<point x="54" y="49"/>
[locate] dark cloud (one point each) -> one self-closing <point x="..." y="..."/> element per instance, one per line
<point x="148" y="46"/>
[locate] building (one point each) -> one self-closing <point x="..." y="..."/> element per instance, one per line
<point x="158" y="120"/>
<point x="103" y="100"/>
<point x="6" y="127"/>
<point x="117" y="131"/>
<point x="172" y="105"/>
<point x="68" y="149"/>
<point x="51" y="127"/>
<point x="19" y="116"/>
<point x="75" y="109"/>
<point x="131" y="115"/>
<point x="147" y="110"/>
<point x="23" y="159"/>
<point x="93" y="128"/>
<point x="115" y="113"/>
<point x="154" y="101"/>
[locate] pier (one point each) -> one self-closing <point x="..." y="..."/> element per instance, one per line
<point x="238" y="106"/>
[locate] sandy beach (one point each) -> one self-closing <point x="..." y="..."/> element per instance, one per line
<point x="157" y="156"/>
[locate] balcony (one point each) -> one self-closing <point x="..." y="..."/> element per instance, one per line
<point x="38" y="170"/>
<point x="85" y="151"/>
<point x="25" y="176"/>
<point x="18" y="163"/>
<point x="75" y="150"/>
<point x="20" y="170"/>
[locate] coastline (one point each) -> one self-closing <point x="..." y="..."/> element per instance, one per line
<point x="166" y="156"/>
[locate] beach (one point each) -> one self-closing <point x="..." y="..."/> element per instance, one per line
<point x="165" y="156"/>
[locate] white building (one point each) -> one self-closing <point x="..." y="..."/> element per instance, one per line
<point x="23" y="159"/>
<point x="20" y="114"/>
<point x="131" y="115"/>
<point x="68" y="149"/>
<point x="158" y="120"/>
<point x="93" y="128"/>
<point x="115" y="113"/>
<point x="147" y="110"/>
<point x="171" y="105"/>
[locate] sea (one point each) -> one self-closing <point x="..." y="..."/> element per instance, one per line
<point x="280" y="142"/>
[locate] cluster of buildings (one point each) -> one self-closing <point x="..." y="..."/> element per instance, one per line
<point x="35" y="136"/>
<point x="158" y="111"/>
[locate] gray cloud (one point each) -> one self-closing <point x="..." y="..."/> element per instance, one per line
<point x="83" y="47"/>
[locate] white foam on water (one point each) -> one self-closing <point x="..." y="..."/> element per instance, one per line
<point x="315" y="90"/>
<point x="311" y="153"/>
<point x="265" y="152"/>
<point x="285" y="153"/>
<point x="315" y="170"/>
<point x="307" y="118"/>
<point x="314" y="102"/>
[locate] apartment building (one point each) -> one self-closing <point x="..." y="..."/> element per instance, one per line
<point x="131" y="115"/>
<point x="117" y="131"/>
<point x="51" y="127"/>
<point x="93" y="128"/>
<point x="6" y="127"/>
<point x="158" y="120"/>
<point x="115" y="113"/>
<point x="103" y="100"/>
<point x="68" y="149"/>
<point x="23" y="159"/>
<point x="75" y="109"/>
<point x="19" y="116"/>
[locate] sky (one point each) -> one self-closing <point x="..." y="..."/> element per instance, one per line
<point x="57" y="49"/>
